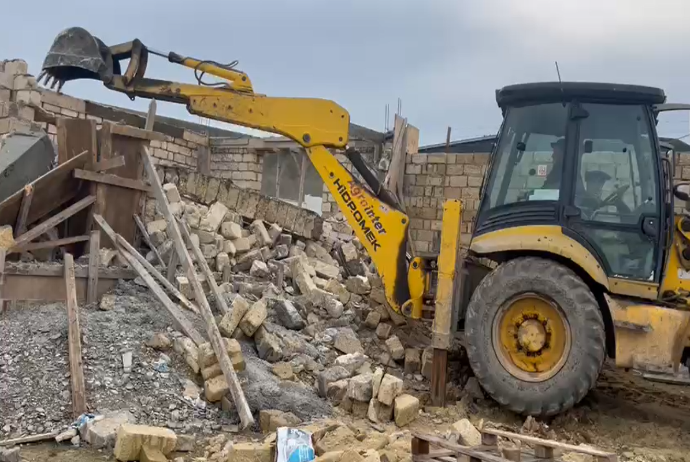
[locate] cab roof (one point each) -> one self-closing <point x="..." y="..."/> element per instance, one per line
<point x="547" y="92"/>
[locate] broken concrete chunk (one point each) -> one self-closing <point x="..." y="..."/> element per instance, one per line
<point x="245" y="262"/>
<point x="373" y="319"/>
<point x="184" y="287"/>
<point x="107" y="302"/>
<point x="358" y="285"/>
<point x="336" y="391"/>
<point x="242" y="245"/>
<point x="327" y="376"/>
<point x="172" y="193"/>
<point x="333" y="307"/>
<point x="285" y="239"/>
<point x="413" y="359"/>
<point x="156" y="226"/>
<point x="469" y="435"/>
<point x="339" y="290"/>
<point x="271" y="419"/>
<point x="352" y="361"/>
<point x="229" y="248"/>
<point x="378" y="296"/>
<point x="215" y="388"/>
<point x="347" y="342"/>
<point x="259" y="230"/>
<point x="376" y="379"/>
<point x="222" y="260"/>
<point x="325" y="270"/>
<point x="267" y="345"/>
<point x="316" y="251"/>
<point x="254" y="318"/>
<point x="391" y="386"/>
<point x="340" y="439"/>
<point x="131" y="438"/>
<point x="231" y="230"/>
<point x="251" y="452"/>
<point x="405" y="410"/>
<point x="274" y="231"/>
<point x="266" y="253"/>
<point x="383" y="330"/>
<point x="287" y="313"/>
<point x="300" y="274"/>
<point x="280" y="252"/>
<point x="187" y="348"/>
<point x="103" y="433"/>
<point x="213" y="218"/>
<point x="259" y="270"/>
<point x="351" y="256"/>
<point x="360" y="388"/>
<point x="209" y="250"/>
<point x="395" y="348"/>
<point x="157" y="239"/>
<point x="231" y="320"/>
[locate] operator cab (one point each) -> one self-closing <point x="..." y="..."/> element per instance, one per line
<point x="585" y="157"/>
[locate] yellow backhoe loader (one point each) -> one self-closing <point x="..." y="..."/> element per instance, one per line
<point x="576" y="254"/>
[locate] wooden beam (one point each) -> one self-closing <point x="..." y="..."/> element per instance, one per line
<point x="172" y="266"/>
<point x="217" y="343"/>
<point x="134" y="132"/>
<point x="151" y="116"/>
<point x="53" y="221"/>
<point x="201" y="261"/>
<point x="122" y="242"/>
<point x="74" y="339"/>
<point x="109" y="164"/>
<point x="30" y="439"/>
<point x="180" y="319"/>
<point x="48" y="244"/>
<point x="147" y="238"/>
<point x="20" y="227"/>
<point x="114" y="180"/>
<point x="448" y="140"/>
<point x="94" y="263"/>
<point x="28" y="287"/>
<point x="57" y="270"/>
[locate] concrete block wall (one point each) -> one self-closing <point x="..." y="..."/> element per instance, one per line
<point x="237" y="163"/>
<point x="429" y="180"/>
<point x="19" y="96"/>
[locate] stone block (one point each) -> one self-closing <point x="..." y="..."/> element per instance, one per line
<point x="406" y="409"/>
<point x="244" y="262"/>
<point x="131" y="438"/>
<point x="259" y="270"/>
<point x="222" y="260"/>
<point x="360" y="409"/>
<point x="231" y="320"/>
<point x="205" y="237"/>
<point x="275" y="231"/>
<point x="336" y="391"/>
<point x="157" y="225"/>
<point x="271" y="419"/>
<point x="243" y="244"/>
<point x="211" y="371"/>
<point x="149" y="454"/>
<point x="395" y="348"/>
<point x="229" y="248"/>
<point x="333" y="307"/>
<point x="207" y="357"/>
<point x="280" y="251"/>
<point x="10" y="455"/>
<point x="325" y="270"/>
<point x="209" y="250"/>
<point x="469" y="435"/>
<point x="251" y="452"/>
<point x="254" y="318"/>
<point x="300" y="275"/>
<point x="283" y="371"/>
<point x="287" y="313"/>
<point x="316" y="251"/>
<point x="372" y="320"/>
<point x="267" y="345"/>
<point x="187" y="348"/>
<point x="214" y="217"/>
<point x="285" y="239"/>
<point x="259" y="230"/>
<point x="352" y="362"/>
<point x="103" y="433"/>
<point x="347" y="342"/>
<point x="360" y="388"/>
<point x="351" y="258"/>
<point x="358" y="285"/>
<point x="339" y="290"/>
<point x="327" y="376"/>
<point x="215" y="388"/>
<point x="378" y="296"/>
<point x="340" y="439"/>
<point x="185" y="287"/>
<point x="231" y="230"/>
<point x="391" y="386"/>
<point x="383" y="330"/>
<point x="413" y="360"/>
<point x="172" y="193"/>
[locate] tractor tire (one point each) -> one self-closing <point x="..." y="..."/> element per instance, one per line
<point x="535" y="286"/>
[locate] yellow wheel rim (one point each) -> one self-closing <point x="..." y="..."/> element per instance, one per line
<point x="531" y="337"/>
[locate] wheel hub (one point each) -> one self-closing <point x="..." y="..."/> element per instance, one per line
<point x="531" y="337"/>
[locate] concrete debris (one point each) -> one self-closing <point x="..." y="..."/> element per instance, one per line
<point x="468" y="434"/>
<point x="253" y="319"/>
<point x="406" y="409"/>
<point x="347" y="342"/>
<point x="383" y="331"/>
<point x="358" y="285"/>
<point x="271" y="419"/>
<point x="9" y="455"/>
<point x="372" y="320"/>
<point x="231" y="320"/>
<point x="395" y="348"/>
<point x="413" y="360"/>
<point x="283" y="371"/>
<point x="287" y="313"/>
<point x="332" y="374"/>
<point x="103" y="433"/>
<point x="391" y="386"/>
<point x="360" y="388"/>
<point x="132" y="438"/>
<point x="267" y="345"/>
<point x="352" y="362"/>
<point x="107" y="302"/>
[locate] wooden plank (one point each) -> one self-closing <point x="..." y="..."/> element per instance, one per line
<point x="74" y="136"/>
<point x="218" y="345"/>
<point x="26" y="287"/>
<point x="49" y="244"/>
<point x="120" y="242"/>
<point x="108" y="164"/>
<point x="74" y="339"/>
<point x="178" y="316"/>
<point x="548" y="443"/>
<point x="172" y="267"/>
<point x="94" y="263"/>
<point x="457" y="449"/>
<point x="134" y="132"/>
<point x="201" y="261"/>
<point x="20" y="228"/>
<point x="54" y="270"/>
<point x="112" y="180"/>
<point x="53" y="221"/>
<point x="147" y="238"/>
<point x="51" y="190"/>
<point x="29" y="439"/>
<point x="439" y="369"/>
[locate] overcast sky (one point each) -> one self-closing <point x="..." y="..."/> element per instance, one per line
<point x="442" y="58"/>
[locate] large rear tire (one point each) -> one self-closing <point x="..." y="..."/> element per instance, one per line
<point x="535" y="336"/>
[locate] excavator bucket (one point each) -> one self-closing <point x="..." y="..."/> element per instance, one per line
<point x="76" y="54"/>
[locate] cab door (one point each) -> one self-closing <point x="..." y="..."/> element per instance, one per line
<point x="615" y="196"/>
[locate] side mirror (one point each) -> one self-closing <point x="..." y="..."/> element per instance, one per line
<point x="682" y="191"/>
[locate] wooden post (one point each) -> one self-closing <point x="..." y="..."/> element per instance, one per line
<point x="20" y="227"/>
<point x="147" y="239"/>
<point x="74" y="339"/>
<point x="172" y="267"/>
<point x="448" y="140"/>
<point x="226" y="366"/>
<point x="94" y="263"/>
<point x="151" y="116"/>
<point x="201" y="261"/>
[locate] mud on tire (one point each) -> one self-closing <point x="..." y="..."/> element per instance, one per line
<point x="588" y="347"/>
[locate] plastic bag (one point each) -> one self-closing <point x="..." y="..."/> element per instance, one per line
<point x="293" y="445"/>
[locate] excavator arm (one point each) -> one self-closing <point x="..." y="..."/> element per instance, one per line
<point x="315" y="124"/>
